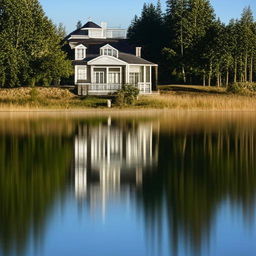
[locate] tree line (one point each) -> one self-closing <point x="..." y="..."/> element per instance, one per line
<point x="30" y="46"/>
<point x="192" y="46"/>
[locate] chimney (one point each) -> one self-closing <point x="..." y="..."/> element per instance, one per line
<point x="138" y="52"/>
<point x="104" y="25"/>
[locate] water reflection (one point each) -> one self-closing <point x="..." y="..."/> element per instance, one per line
<point x="185" y="175"/>
<point x="111" y="156"/>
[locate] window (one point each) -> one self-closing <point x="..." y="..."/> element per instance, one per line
<point x="99" y="77"/>
<point x="114" y="77"/>
<point x="109" y="51"/>
<point x="81" y="73"/>
<point x="134" y="78"/>
<point x="80" y="52"/>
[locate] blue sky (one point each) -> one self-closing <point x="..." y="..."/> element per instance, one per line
<point x="119" y="13"/>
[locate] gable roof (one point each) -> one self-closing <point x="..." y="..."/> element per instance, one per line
<point x="128" y="58"/>
<point x="91" y="24"/>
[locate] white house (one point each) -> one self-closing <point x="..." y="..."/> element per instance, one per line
<point x="104" y="61"/>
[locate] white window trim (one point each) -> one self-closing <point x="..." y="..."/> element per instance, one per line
<point x="77" y="75"/>
<point x="80" y="47"/>
<point x="109" y="47"/>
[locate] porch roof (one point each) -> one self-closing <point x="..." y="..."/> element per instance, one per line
<point x="128" y="58"/>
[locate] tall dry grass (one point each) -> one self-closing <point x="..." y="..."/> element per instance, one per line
<point x="45" y="98"/>
<point x="55" y="98"/>
<point x="199" y="102"/>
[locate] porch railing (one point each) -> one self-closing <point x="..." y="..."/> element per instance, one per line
<point x="104" y="87"/>
<point x="144" y="88"/>
<point x="84" y="89"/>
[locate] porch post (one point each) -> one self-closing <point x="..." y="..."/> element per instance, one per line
<point x="150" y="78"/>
<point x="92" y="78"/>
<point x="145" y="78"/>
<point x="107" y="74"/>
<point x="127" y="75"/>
<point x="75" y="75"/>
<point x="121" y="77"/>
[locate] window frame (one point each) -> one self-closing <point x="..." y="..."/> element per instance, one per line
<point x="108" y="50"/>
<point x="78" y="70"/>
<point x="80" y="52"/>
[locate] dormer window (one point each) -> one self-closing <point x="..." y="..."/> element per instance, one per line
<point x="108" y="50"/>
<point x="80" y="52"/>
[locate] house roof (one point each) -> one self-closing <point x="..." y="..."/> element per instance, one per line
<point x="94" y="45"/>
<point x="91" y="24"/>
<point x="128" y="58"/>
<point x="132" y="59"/>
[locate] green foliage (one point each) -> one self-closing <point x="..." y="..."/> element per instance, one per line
<point x="127" y="95"/>
<point x="30" y="49"/>
<point x="242" y="88"/>
<point x="146" y="30"/>
<point x="34" y="94"/>
<point x="79" y="24"/>
<point x="192" y="46"/>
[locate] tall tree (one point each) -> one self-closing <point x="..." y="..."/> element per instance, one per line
<point x="146" y="30"/>
<point x="79" y="24"/>
<point x="30" y="45"/>
<point x="187" y="22"/>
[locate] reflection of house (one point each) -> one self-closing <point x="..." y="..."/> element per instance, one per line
<point x="109" y="157"/>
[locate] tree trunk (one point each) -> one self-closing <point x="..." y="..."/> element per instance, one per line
<point x="218" y="79"/>
<point x="184" y="74"/>
<point x="227" y="78"/>
<point x="220" y="76"/>
<point x="251" y="69"/>
<point x="204" y="78"/>
<point x="235" y="72"/>
<point x="210" y="75"/>
<point x="182" y="52"/>
<point x="241" y="70"/>
<point x="245" y="68"/>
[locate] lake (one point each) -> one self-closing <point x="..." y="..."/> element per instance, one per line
<point x="170" y="183"/>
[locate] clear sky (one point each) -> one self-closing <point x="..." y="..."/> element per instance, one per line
<point x="119" y="13"/>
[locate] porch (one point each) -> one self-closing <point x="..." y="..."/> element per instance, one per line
<point x="109" y="79"/>
<point x="105" y="89"/>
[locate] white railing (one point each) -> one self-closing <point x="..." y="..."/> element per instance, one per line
<point x="104" y="89"/>
<point x="107" y="88"/>
<point x="115" y="33"/>
<point x="144" y="88"/>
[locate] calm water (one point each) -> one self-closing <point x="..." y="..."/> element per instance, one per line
<point x="171" y="184"/>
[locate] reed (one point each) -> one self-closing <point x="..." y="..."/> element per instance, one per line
<point x="45" y="98"/>
<point x="199" y="101"/>
<point x="63" y="99"/>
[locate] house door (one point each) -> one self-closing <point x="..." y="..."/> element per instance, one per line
<point x="114" y="77"/>
<point x="99" y="77"/>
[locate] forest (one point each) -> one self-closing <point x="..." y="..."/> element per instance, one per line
<point x="187" y="40"/>
<point x="193" y="46"/>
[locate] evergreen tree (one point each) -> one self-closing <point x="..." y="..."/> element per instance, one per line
<point x="79" y="24"/>
<point x="187" y="22"/>
<point x="147" y="31"/>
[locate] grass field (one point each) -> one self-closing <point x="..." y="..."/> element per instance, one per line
<point x="175" y="97"/>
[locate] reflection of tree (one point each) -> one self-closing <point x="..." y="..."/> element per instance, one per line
<point x="196" y="172"/>
<point x="33" y="172"/>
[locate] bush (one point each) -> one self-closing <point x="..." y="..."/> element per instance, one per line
<point x="34" y="94"/>
<point x="127" y="95"/>
<point x="242" y="88"/>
